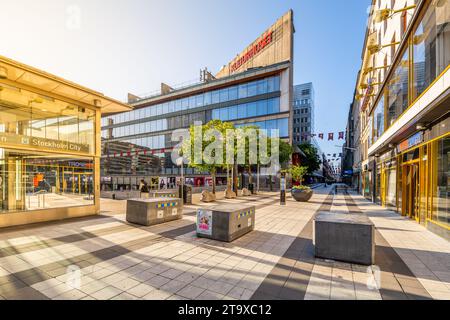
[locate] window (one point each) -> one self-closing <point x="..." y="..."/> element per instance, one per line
<point x="397" y="90"/>
<point x="208" y="98"/>
<point x="233" y="112"/>
<point x="378" y="120"/>
<point x="223" y="95"/>
<point x="66" y="180"/>
<point x="431" y="47"/>
<point x="251" y="89"/>
<point x="261" y="108"/>
<point x="262" y="86"/>
<point x="441" y="186"/>
<point x="215" y="97"/>
<point x="242" y="111"/>
<point x="233" y="93"/>
<point x="251" y="109"/>
<point x="242" y="91"/>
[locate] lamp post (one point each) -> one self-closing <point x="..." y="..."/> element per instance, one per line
<point x="180" y="163"/>
<point x="283" y="188"/>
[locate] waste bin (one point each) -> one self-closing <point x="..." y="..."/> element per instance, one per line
<point x="187" y="194"/>
<point x="251" y="188"/>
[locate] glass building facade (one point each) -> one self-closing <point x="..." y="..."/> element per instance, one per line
<point x="137" y="144"/>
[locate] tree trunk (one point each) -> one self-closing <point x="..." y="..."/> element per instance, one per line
<point x="250" y="177"/>
<point x="213" y="175"/>
<point x="235" y="178"/>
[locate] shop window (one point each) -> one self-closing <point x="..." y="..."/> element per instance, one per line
<point x="36" y="181"/>
<point x="441" y="189"/>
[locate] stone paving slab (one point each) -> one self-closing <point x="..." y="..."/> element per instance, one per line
<point x="105" y="257"/>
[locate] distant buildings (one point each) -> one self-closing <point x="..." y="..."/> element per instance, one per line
<point x="255" y="88"/>
<point x="303" y="109"/>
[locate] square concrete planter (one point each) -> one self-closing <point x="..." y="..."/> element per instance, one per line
<point x="225" y="222"/>
<point x="344" y="237"/>
<point x="153" y="211"/>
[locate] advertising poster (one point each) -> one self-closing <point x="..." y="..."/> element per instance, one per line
<point x="162" y="183"/>
<point x="204" y="222"/>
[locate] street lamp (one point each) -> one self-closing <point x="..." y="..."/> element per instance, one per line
<point x="384" y="14"/>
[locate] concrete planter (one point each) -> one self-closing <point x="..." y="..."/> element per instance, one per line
<point x="302" y="195"/>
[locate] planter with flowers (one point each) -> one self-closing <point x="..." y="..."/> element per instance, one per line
<point x="299" y="192"/>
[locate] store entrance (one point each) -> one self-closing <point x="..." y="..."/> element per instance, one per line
<point x="411" y="191"/>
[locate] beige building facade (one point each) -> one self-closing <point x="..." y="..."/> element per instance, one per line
<point x="403" y="92"/>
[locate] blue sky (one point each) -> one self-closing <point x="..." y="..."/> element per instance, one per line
<point x="118" y="46"/>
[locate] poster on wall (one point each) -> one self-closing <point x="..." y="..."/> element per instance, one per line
<point x="162" y="183"/>
<point x="204" y="222"/>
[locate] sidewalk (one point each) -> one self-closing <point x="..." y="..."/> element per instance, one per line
<point x="117" y="260"/>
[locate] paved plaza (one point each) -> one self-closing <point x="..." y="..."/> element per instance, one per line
<point x="104" y="257"/>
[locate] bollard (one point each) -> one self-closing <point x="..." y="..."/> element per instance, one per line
<point x="283" y="189"/>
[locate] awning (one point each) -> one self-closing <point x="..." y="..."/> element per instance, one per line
<point x="15" y="72"/>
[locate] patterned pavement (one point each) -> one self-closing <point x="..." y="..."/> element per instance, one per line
<point x="104" y="257"/>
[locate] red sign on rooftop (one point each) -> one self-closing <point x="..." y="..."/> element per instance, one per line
<point x="254" y="50"/>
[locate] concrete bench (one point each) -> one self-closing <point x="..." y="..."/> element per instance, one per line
<point x="225" y="222"/>
<point x="153" y="211"/>
<point x="344" y="237"/>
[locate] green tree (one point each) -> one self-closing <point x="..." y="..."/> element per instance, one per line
<point x="206" y="144"/>
<point x="297" y="173"/>
<point x="311" y="160"/>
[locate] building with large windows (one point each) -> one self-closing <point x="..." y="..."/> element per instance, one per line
<point x="50" y="145"/>
<point x="303" y="110"/>
<point x="255" y="88"/>
<point x="403" y="96"/>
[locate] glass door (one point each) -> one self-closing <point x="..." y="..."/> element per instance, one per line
<point x="411" y="191"/>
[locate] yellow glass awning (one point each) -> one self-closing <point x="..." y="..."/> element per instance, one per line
<point x="31" y="77"/>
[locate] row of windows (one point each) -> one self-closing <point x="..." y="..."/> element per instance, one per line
<point x="302" y="129"/>
<point x="301" y="120"/>
<point x="245" y="90"/>
<point x="421" y="63"/>
<point x="302" y="102"/>
<point x="155" y="142"/>
<point x="139" y="128"/>
<point x="301" y="111"/>
<point x="281" y="124"/>
<point x="247" y="110"/>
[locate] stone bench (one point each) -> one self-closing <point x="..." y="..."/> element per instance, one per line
<point x="225" y="222"/>
<point x="344" y="237"/>
<point x="153" y="211"/>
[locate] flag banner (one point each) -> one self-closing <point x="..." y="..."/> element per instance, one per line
<point x="321" y="136"/>
<point x="331" y="137"/>
<point x="341" y="135"/>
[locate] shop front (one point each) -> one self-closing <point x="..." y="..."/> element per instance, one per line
<point x="416" y="181"/>
<point x="49" y="146"/>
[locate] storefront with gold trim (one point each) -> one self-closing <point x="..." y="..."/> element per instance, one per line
<point x="409" y="152"/>
<point x="50" y="145"/>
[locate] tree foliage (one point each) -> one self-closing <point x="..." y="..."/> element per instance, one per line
<point x="311" y="160"/>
